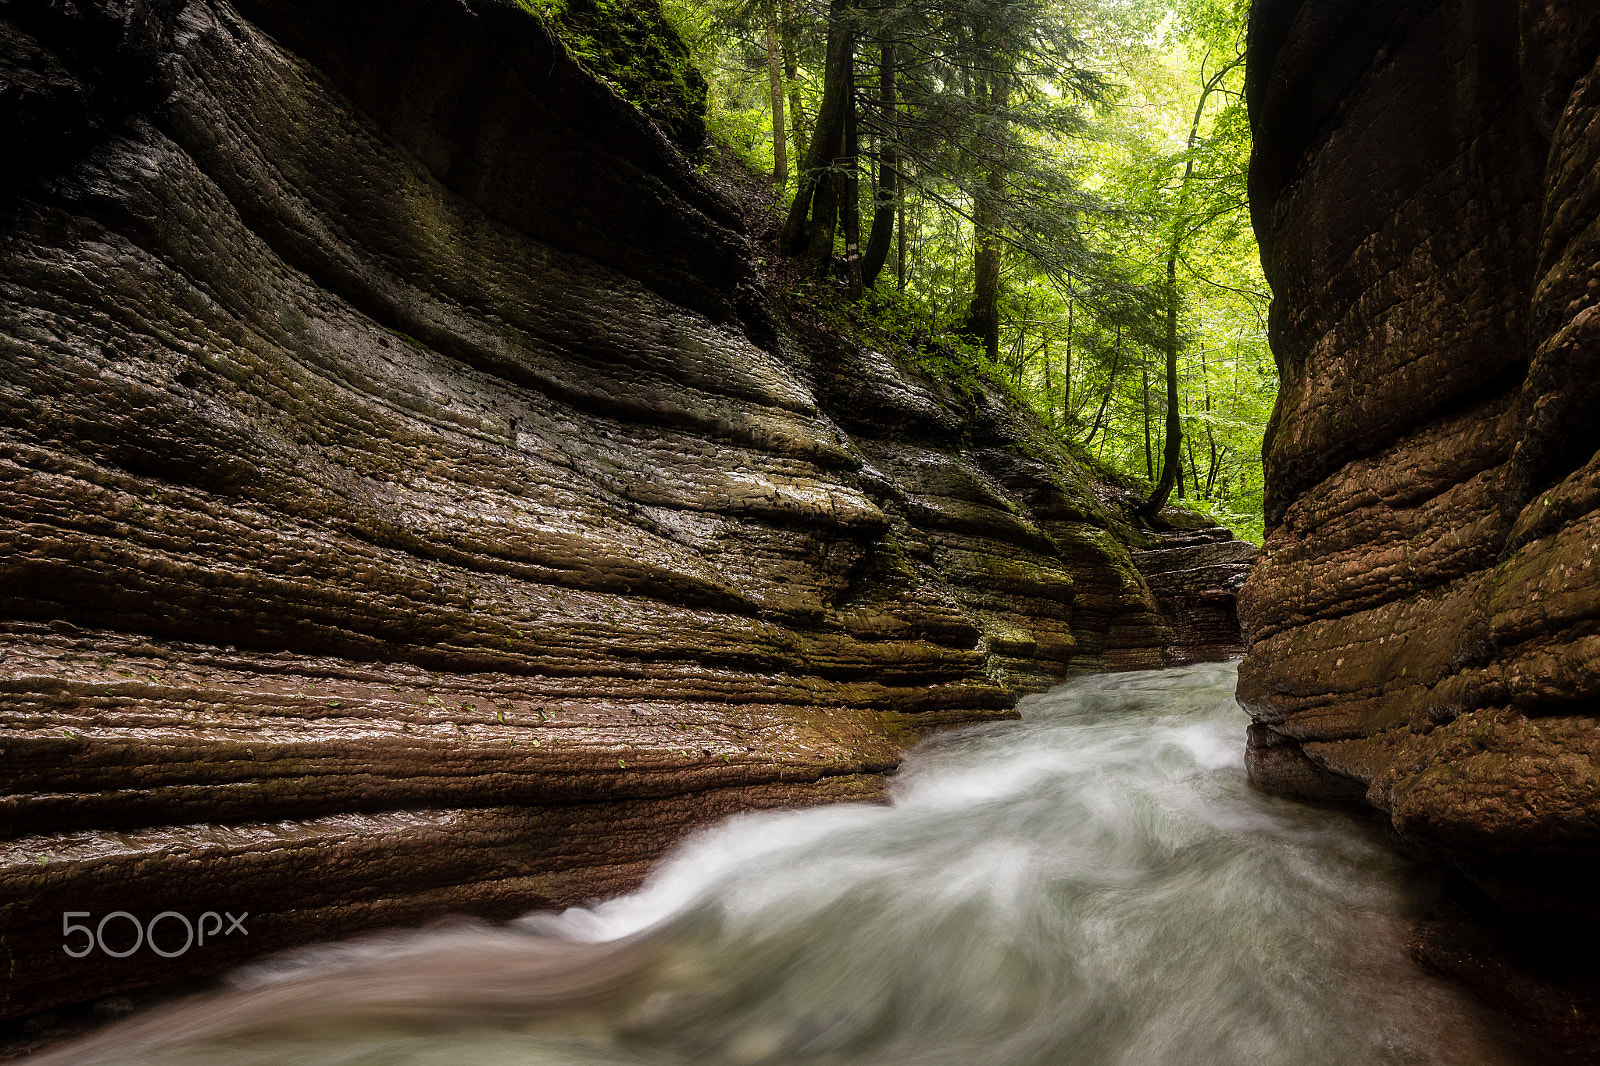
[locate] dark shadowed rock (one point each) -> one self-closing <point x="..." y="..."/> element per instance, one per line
<point x="411" y="503"/>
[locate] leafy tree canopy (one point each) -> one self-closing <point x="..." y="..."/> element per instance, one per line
<point x="1052" y="190"/>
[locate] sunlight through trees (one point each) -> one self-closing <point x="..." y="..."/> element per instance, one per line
<point x="1051" y="191"/>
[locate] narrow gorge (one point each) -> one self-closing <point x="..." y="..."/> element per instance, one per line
<point x="423" y="496"/>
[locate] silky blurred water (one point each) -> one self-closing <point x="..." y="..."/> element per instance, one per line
<point x="1096" y="884"/>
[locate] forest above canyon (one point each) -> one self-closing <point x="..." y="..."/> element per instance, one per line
<point x="1048" y="194"/>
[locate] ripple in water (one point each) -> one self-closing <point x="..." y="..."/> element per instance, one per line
<point x="1097" y="885"/>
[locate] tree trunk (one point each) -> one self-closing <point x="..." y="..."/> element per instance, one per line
<point x="887" y="196"/>
<point x="1049" y="387"/>
<point x="1194" y="468"/>
<point x="1149" y="458"/>
<point x="1016" y="345"/>
<point x="1216" y="468"/>
<point x="1172" y="453"/>
<point x="815" y="196"/>
<point x="817" y="257"/>
<point x="983" y="313"/>
<point x="1099" y="416"/>
<point x="1211" y="434"/>
<point x="780" y="137"/>
<point x="850" y="196"/>
<point x="791" y="74"/>
<point x="900" y="267"/>
<point x="1066" y="386"/>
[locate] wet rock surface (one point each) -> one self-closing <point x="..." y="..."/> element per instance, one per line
<point x="1195" y="574"/>
<point x="1425" y="617"/>
<point x="411" y="501"/>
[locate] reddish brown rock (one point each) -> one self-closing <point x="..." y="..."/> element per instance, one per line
<point x="410" y="501"/>
<point x="1425" y="618"/>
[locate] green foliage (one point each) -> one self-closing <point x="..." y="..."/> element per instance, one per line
<point x="631" y="45"/>
<point x="1106" y="173"/>
<point x="889" y="321"/>
<point x="723" y="39"/>
<point x="738" y="118"/>
<point x="1194" y="193"/>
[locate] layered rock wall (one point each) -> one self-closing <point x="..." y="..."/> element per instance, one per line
<point x="1425" y="620"/>
<point x="410" y="501"/>
<point x="1195" y="571"/>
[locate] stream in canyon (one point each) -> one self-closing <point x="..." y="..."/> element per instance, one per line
<point x="1095" y="884"/>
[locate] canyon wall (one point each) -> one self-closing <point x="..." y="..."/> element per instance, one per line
<point x="413" y="502"/>
<point x="1424" y="623"/>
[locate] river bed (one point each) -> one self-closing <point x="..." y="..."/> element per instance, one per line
<point x="1096" y="884"/>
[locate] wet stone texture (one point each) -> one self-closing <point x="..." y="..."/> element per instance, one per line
<point x="412" y="503"/>
<point x="1195" y="571"/>
<point x="1425" y="618"/>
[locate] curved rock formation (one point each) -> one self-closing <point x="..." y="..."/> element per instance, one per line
<point x="411" y="502"/>
<point x="1425" y="620"/>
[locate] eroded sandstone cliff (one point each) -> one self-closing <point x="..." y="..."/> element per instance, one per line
<point x="1425" y="620"/>
<point x="411" y="502"/>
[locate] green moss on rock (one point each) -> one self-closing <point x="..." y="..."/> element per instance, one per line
<point x="631" y="45"/>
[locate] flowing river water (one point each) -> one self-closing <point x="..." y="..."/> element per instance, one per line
<point x="1096" y="884"/>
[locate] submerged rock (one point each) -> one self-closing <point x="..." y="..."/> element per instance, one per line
<point x="411" y="502"/>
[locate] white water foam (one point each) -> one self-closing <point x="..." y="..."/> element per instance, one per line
<point x="1096" y="884"/>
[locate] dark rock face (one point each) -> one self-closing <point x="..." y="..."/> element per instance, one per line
<point x="411" y="503"/>
<point x="1195" y="574"/>
<point x="1424" y="618"/>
